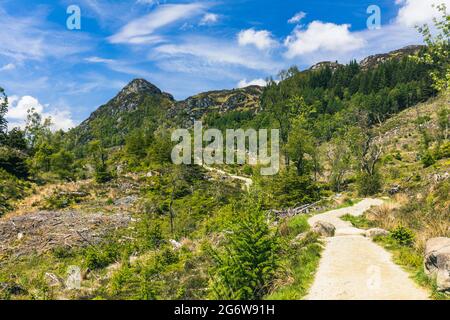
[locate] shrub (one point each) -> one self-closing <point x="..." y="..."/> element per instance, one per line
<point x="96" y="258"/>
<point x="444" y="151"/>
<point x="403" y="236"/>
<point x="369" y="185"/>
<point x="428" y="159"/>
<point x="102" y="175"/>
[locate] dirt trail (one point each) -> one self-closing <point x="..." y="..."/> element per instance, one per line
<point x="247" y="181"/>
<point x="355" y="268"/>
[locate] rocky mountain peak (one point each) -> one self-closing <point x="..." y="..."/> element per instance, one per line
<point x="140" y="86"/>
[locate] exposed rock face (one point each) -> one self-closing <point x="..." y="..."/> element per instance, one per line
<point x="437" y="261"/>
<point x="376" y="232"/>
<point x="375" y="60"/>
<point x="195" y="107"/>
<point x="325" y="229"/>
<point x="326" y="64"/>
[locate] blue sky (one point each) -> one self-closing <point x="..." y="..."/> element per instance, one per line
<point x="183" y="47"/>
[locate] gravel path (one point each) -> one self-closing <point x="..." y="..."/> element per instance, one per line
<point x="353" y="267"/>
<point x="247" y="181"/>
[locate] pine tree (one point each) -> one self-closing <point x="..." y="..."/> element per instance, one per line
<point x="245" y="269"/>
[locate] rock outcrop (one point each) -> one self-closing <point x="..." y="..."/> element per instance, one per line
<point x="437" y="261"/>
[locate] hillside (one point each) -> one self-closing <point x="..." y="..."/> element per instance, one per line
<point x="141" y="103"/>
<point x="107" y="199"/>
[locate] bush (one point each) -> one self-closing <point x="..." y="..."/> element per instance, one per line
<point x="102" y="175"/>
<point x="96" y="258"/>
<point x="369" y="185"/>
<point x="403" y="236"/>
<point x="428" y="159"/>
<point x="444" y="151"/>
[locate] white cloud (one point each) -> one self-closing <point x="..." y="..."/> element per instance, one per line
<point x="320" y="36"/>
<point x="209" y="18"/>
<point x="8" y="67"/>
<point x="261" y="39"/>
<point x="297" y="17"/>
<point x="33" y="38"/>
<point x="141" y="30"/>
<point x="256" y="82"/>
<point x="18" y="111"/>
<point x="418" y="12"/>
<point x="98" y="60"/>
<point x="213" y="51"/>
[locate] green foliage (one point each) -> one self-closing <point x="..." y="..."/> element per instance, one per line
<point x="150" y="230"/>
<point x="336" y="96"/>
<point x="403" y="236"/>
<point x="369" y="184"/>
<point x="136" y="144"/>
<point x="298" y="225"/>
<point x="427" y="159"/>
<point x="62" y="164"/>
<point x="11" y="188"/>
<point x="16" y="139"/>
<point x="360" y="222"/>
<point x="160" y="150"/>
<point x="438" y="51"/>
<point x="101" y="257"/>
<point x="300" y="265"/>
<point x="288" y="189"/>
<point x="102" y="174"/>
<point x="245" y="269"/>
<point x="14" y="161"/>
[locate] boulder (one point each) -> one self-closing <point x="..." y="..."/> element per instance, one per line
<point x="324" y="228"/>
<point x="175" y="244"/>
<point x="437" y="261"/>
<point x="376" y="232"/>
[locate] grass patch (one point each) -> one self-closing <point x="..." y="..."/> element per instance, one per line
<point x="360" y="222"/>
<point x="300" y="268"/>
<point x="297" y="225"/>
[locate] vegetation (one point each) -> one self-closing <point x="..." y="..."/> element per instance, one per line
<point x="188" y="234"/>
